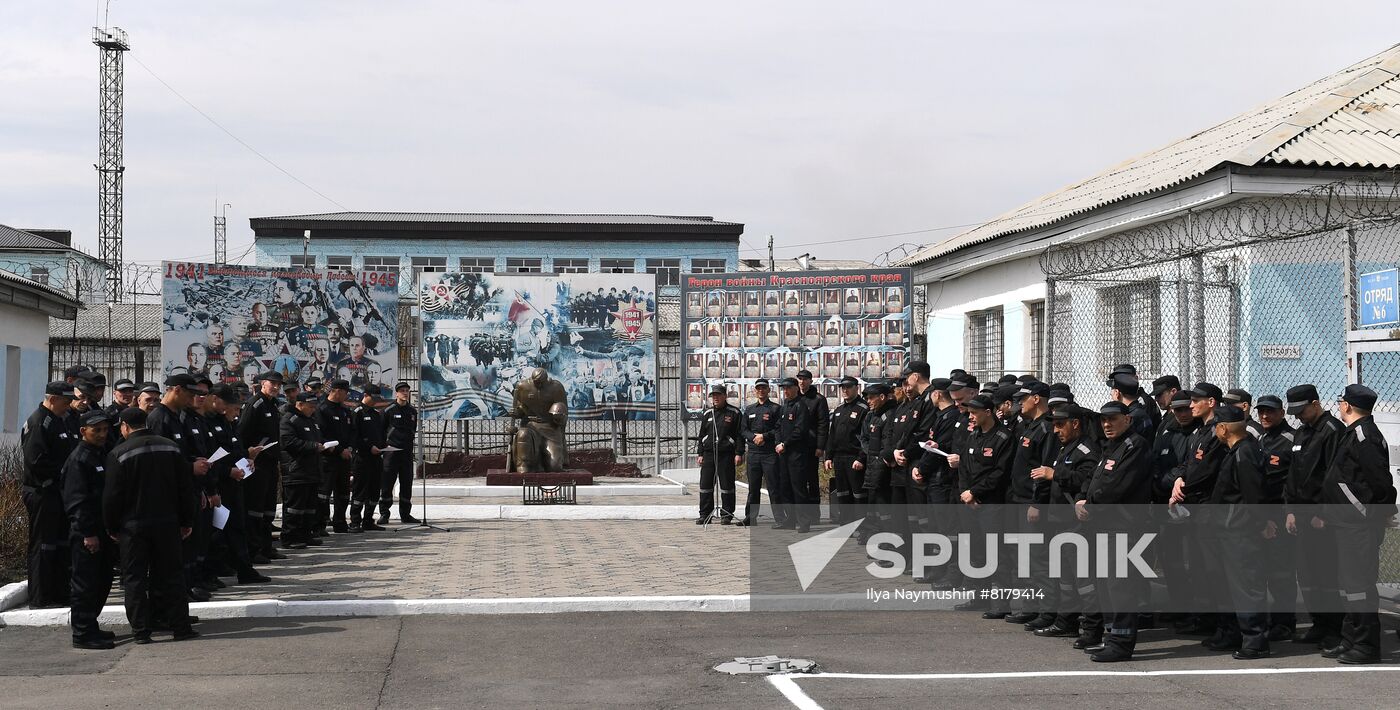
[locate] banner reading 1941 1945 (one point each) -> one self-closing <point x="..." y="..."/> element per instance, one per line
<point x="235" y="322"/>
<point x="484" y="333"/>
<point x="737" y="328"/>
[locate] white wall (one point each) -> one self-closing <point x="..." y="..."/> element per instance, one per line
<point x="24" y="366"/>
<point x="1009" y="285"/>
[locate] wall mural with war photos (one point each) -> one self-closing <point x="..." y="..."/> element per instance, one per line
<point x="737" y="328"/>
<point x="483" y="333"/>
<point x="236" y="322"/>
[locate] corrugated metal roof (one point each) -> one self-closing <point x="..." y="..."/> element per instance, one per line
<point x="490" y="218"/>
<point x="1352" y="137"/>
<point x="92" y="324"/>
<point x="11" y="238"/>
<point x="812" y="264"/>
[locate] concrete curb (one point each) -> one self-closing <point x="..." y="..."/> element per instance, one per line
<point x="455" y="513"/>
<point x="598" y="491"/>
<point x="14" y="594"/>
<point x="274" y="608"/>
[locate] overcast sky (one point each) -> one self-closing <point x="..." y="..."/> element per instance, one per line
<point x="810" y="121"/>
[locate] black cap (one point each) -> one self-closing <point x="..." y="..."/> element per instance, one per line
<point x="402" y="386"/>
<point x="150" y="387"/>
<point x="1237" y="396"/>
<point x="123" y="385"/>
<point x="1228" y="414"/>
<point x="875" y="388"/>
<point x="1299" y="397"/>
<point x="372" y="390"/>
<point x="316" y="382"/>
<point x="93" y="417"/>
<point x="787" y="382"/>
<point x="1111" y="408"/>
<point x="1126" y="368"/>
<point x="75" y="370"/>
<point x="940" y="384"/>
<point x="1126" y="383"/>
<point x="1039" y="389"/>
<point x="308" y="397"/>
<point x="956" y="373"/>
<point x="338" y="384"/>
<point x="271" y="375"/>
<point x="719" y="389"/>
<point x="962" y="382"/>
<point x="804" y="374"/>
<point x="59" y="389"/>
<point x="1180" y="399"/>
<point x="980" y="402"/>
<point x="92" y="378"/>
<point x="225" y="392"/>
<point x="1205" y="390"/>
<point x="180" y="379"/>
<point x="133" y="417"/>
<point x="916" y="366"/>
<point x="1268" y="401"/>
<point x="1164" y="383"/>
<point x="850" y="382"/>
<point x="203" y="379"/>
<point x="760" y="382"/>
<point x="1005" y="392"/>
<point x="1069" y="411"/>
<point x="1360" y="396"/>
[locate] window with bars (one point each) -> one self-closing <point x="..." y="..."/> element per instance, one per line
<point x="476" y="264"/>
<point x="381" y="263"/>
<point x="524" y="265"/>
<point x="617" y="266"/>
<point x="1035" y="328"/>
<point x="39" y="274"/>
<point x="707" y="266"/>
<point x="1134" y="313"/>
<point x="668" y="271"/>
<point x="303" y="262"/>
<point x="984" y="343"/>
<point x="338" y="263"/>
<point x="570" y="266"/>
<point x="430" y="264"/>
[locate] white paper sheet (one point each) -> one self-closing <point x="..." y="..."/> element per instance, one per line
<point x="926" y="446"/>
<point x="220" y="517"/>
<point x="245" y="466"/>
<point x="387" y="449"/>
<point x="329" y="445"/>
<point x="217" y="455"/>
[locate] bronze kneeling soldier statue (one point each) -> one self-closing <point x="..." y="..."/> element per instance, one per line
<point x="538" y="416"/>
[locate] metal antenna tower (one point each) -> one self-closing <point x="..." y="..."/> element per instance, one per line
<point x="112" y="42"/>
<point x="221" y="236"/>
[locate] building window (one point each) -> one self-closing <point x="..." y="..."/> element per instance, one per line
<point x="430" y="264"/>
<point x="39" y="274"/>
<point x="1134" y="313"/>
<point x="476" y="264"/>
<point x="707" y="266"/>
<point x="617" y="266"/>
<point x="570" y="266"/>
<point x="668" y="271"/>
<point x="303" y="262"/>
<point x="381" y="263"/>
<point x="984" y="344"/>
<point x="524" y="265"/>
<point x="1035" y="322"/>
<point x="338" y="263"/>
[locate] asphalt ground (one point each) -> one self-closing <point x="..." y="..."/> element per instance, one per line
<point x="658" y="660"/>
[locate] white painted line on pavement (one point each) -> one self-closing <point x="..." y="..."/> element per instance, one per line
<point x="787" y="683"/>
<point x="438" y="512"/>
<point x="595" y="491"/>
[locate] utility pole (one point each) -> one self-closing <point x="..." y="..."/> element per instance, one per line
<point x="770" y="253"/>
<point x="305" y="247"/>
<point x="221" y="236"/>
<point x="113" y="43"/>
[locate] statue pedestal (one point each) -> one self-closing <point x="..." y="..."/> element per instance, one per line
<point x="502" y="477"/>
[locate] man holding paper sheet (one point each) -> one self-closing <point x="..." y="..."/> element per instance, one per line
<point x="259" y="426"/>
<point x="230" y="481"/>
<point x="401" y="423"/>
<point x="336" y="422"/>
<point x="300" y="445"/>
<point x="369" y="461"/>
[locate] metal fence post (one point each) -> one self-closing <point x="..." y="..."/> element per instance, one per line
<point x="1047" y="345"/>
<point x="1197" y="332"/>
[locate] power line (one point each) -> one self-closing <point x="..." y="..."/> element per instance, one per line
<point x="230" y="134"/>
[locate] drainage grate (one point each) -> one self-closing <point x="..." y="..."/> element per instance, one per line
<point x="743" y="665"/>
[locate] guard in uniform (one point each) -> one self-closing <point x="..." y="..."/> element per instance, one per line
<point x="914" y="420"/>
<point x="1172" y="447"/>
<point x="401" y="421"/>
<point x="1036" y="447"/>
<point x="300" y="446"/>
<point x="1243" y="400"/>
<point x="795" y="448"/>
<point x="819" y="419"/>
<point x="334" y="419"/>
<point x="1358" y="501"/>
<point x="259" y="426"/>
<point x="1122" y="479"/>
<point x="1237" y="526"/>
<point x="1314" y="450"/>
<point x="92" y="550"/>
<point x="984" y="470"/>
<point x="1280" y="571"/>
<point x="881" y="405"/>
<point x="719" y="449"/>
<point x="371" y="436"/>
<point x="229" y="478"/>
<point x="946" y="435"/>
<point x="1068" y="477"/>
<point x="149" y="505"/>
<point x="760" y="428"/>
<point x="842" y="450"/>
<point x="1195" y="479"/>
<point x="47" y="439"/>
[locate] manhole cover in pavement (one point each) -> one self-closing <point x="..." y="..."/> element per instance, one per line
<point x="766" y="664"/>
